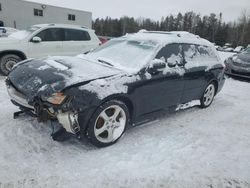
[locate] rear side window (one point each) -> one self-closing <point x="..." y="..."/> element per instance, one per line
<point x="199" y="56"/>
<point x="206" y="52"/>
<point x="76" y="35"/>
<point x="190" y="51"/>
<point x="51" y="34"/>
<point x="171" y="53"/>
<point x="194" y="52"/>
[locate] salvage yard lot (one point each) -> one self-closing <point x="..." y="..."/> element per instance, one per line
<point x="190" y="148"/>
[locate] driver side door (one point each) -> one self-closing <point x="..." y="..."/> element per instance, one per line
<point x="51" y="43"/>
<point x="162" y="89"/>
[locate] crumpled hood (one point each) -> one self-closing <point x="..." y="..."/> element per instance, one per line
<point x="42" y="77"/>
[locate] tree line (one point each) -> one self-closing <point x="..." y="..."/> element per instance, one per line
<point x="211" y="27"/>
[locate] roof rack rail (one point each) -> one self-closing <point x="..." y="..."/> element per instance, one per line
<point x="177" y="33"/>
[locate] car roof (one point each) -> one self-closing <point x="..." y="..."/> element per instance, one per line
<point x="164" y="38"/>
<point x="61" y="25"/>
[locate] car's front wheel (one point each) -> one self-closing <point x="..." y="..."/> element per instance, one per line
<point x="208" y="96"/>
<point x="7" y="62"/>
<point x="108" y="123"/>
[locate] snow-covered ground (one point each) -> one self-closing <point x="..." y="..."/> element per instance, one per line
<point x="191" y="148"/>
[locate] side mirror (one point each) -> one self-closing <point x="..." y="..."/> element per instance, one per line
<point x="157" y="66"/>
<point x="172" y="64"/>
<point x="36" y="39"/>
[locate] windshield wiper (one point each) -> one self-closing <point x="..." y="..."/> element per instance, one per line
<point x="105" y="62"/>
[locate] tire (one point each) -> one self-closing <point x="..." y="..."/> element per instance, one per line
<point x="208" y="95"/>
<point x="108" y="123"/>
<point x="7" y="62"/>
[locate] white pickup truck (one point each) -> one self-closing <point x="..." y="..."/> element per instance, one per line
<point x="45" y="40"/>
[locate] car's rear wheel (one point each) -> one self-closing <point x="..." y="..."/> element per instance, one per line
<point x="7" y="62"/>
<point x="208" y="95"/>
<point x="108" y="123"/>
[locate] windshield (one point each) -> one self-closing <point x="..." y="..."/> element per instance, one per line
<point x="246" y="51"/>
<point x="24" y="33"/>
<point x="125" y="54"/>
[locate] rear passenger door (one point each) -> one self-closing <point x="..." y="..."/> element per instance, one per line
<point x="76" y="41"/>
<point x="51" y="43"/>
<point x="164" y="89"/>
<point x="198" y="61"/>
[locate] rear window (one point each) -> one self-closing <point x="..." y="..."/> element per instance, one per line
<point x="76" y="35"/>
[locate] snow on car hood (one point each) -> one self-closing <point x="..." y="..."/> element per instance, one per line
<point x="46" y="76"/>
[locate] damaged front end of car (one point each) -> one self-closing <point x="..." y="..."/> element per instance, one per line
<point x="49" y="89"/>
<point x="55" y="108"/>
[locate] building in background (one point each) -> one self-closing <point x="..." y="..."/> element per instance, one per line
<point x="21" y="14"/>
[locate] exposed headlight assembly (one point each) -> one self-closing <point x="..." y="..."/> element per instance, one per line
<point x="56" y="98"/>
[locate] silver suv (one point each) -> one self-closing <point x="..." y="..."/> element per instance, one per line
<point x="45" y="40"/>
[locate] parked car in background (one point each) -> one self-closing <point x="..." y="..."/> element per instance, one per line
<point x="239" y="64"/>
<point x="124" y="82"/>
<point x="216" y="47"/>
<point x="219" y="48"/>
<point x="45" y="40"/>
<point x="228" y="49"/>
<point x="104" y="39"/>
<point x="239" y="49"/>
<point x="6" y="31"/>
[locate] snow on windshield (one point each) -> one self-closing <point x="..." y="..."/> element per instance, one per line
<point x="24" y="33"/>
<point x="246" y="51"/>
<point x="126" y="54"/>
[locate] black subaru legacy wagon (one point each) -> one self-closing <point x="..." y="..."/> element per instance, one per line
<point x="125" y="82"/>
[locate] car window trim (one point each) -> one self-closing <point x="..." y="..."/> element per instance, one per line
<point x="78" y="29"/>
<point x="42" y="29"/>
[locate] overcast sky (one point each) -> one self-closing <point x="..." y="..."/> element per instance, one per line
<point x="154" y="9"/>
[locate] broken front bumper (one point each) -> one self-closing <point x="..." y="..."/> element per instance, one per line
<point x="44" y="112"/>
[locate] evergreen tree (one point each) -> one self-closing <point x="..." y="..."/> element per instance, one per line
<point x="210" y="27"/>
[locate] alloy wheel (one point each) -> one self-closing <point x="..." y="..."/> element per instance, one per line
<point x="209" y="95"/>
<point x="110" y="124"/>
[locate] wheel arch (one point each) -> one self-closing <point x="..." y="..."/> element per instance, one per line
<point x="123" y="98"/>
<point x="15" y="52"/>
<point x="119" y="97"/>
<point x="216" y="83"/>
